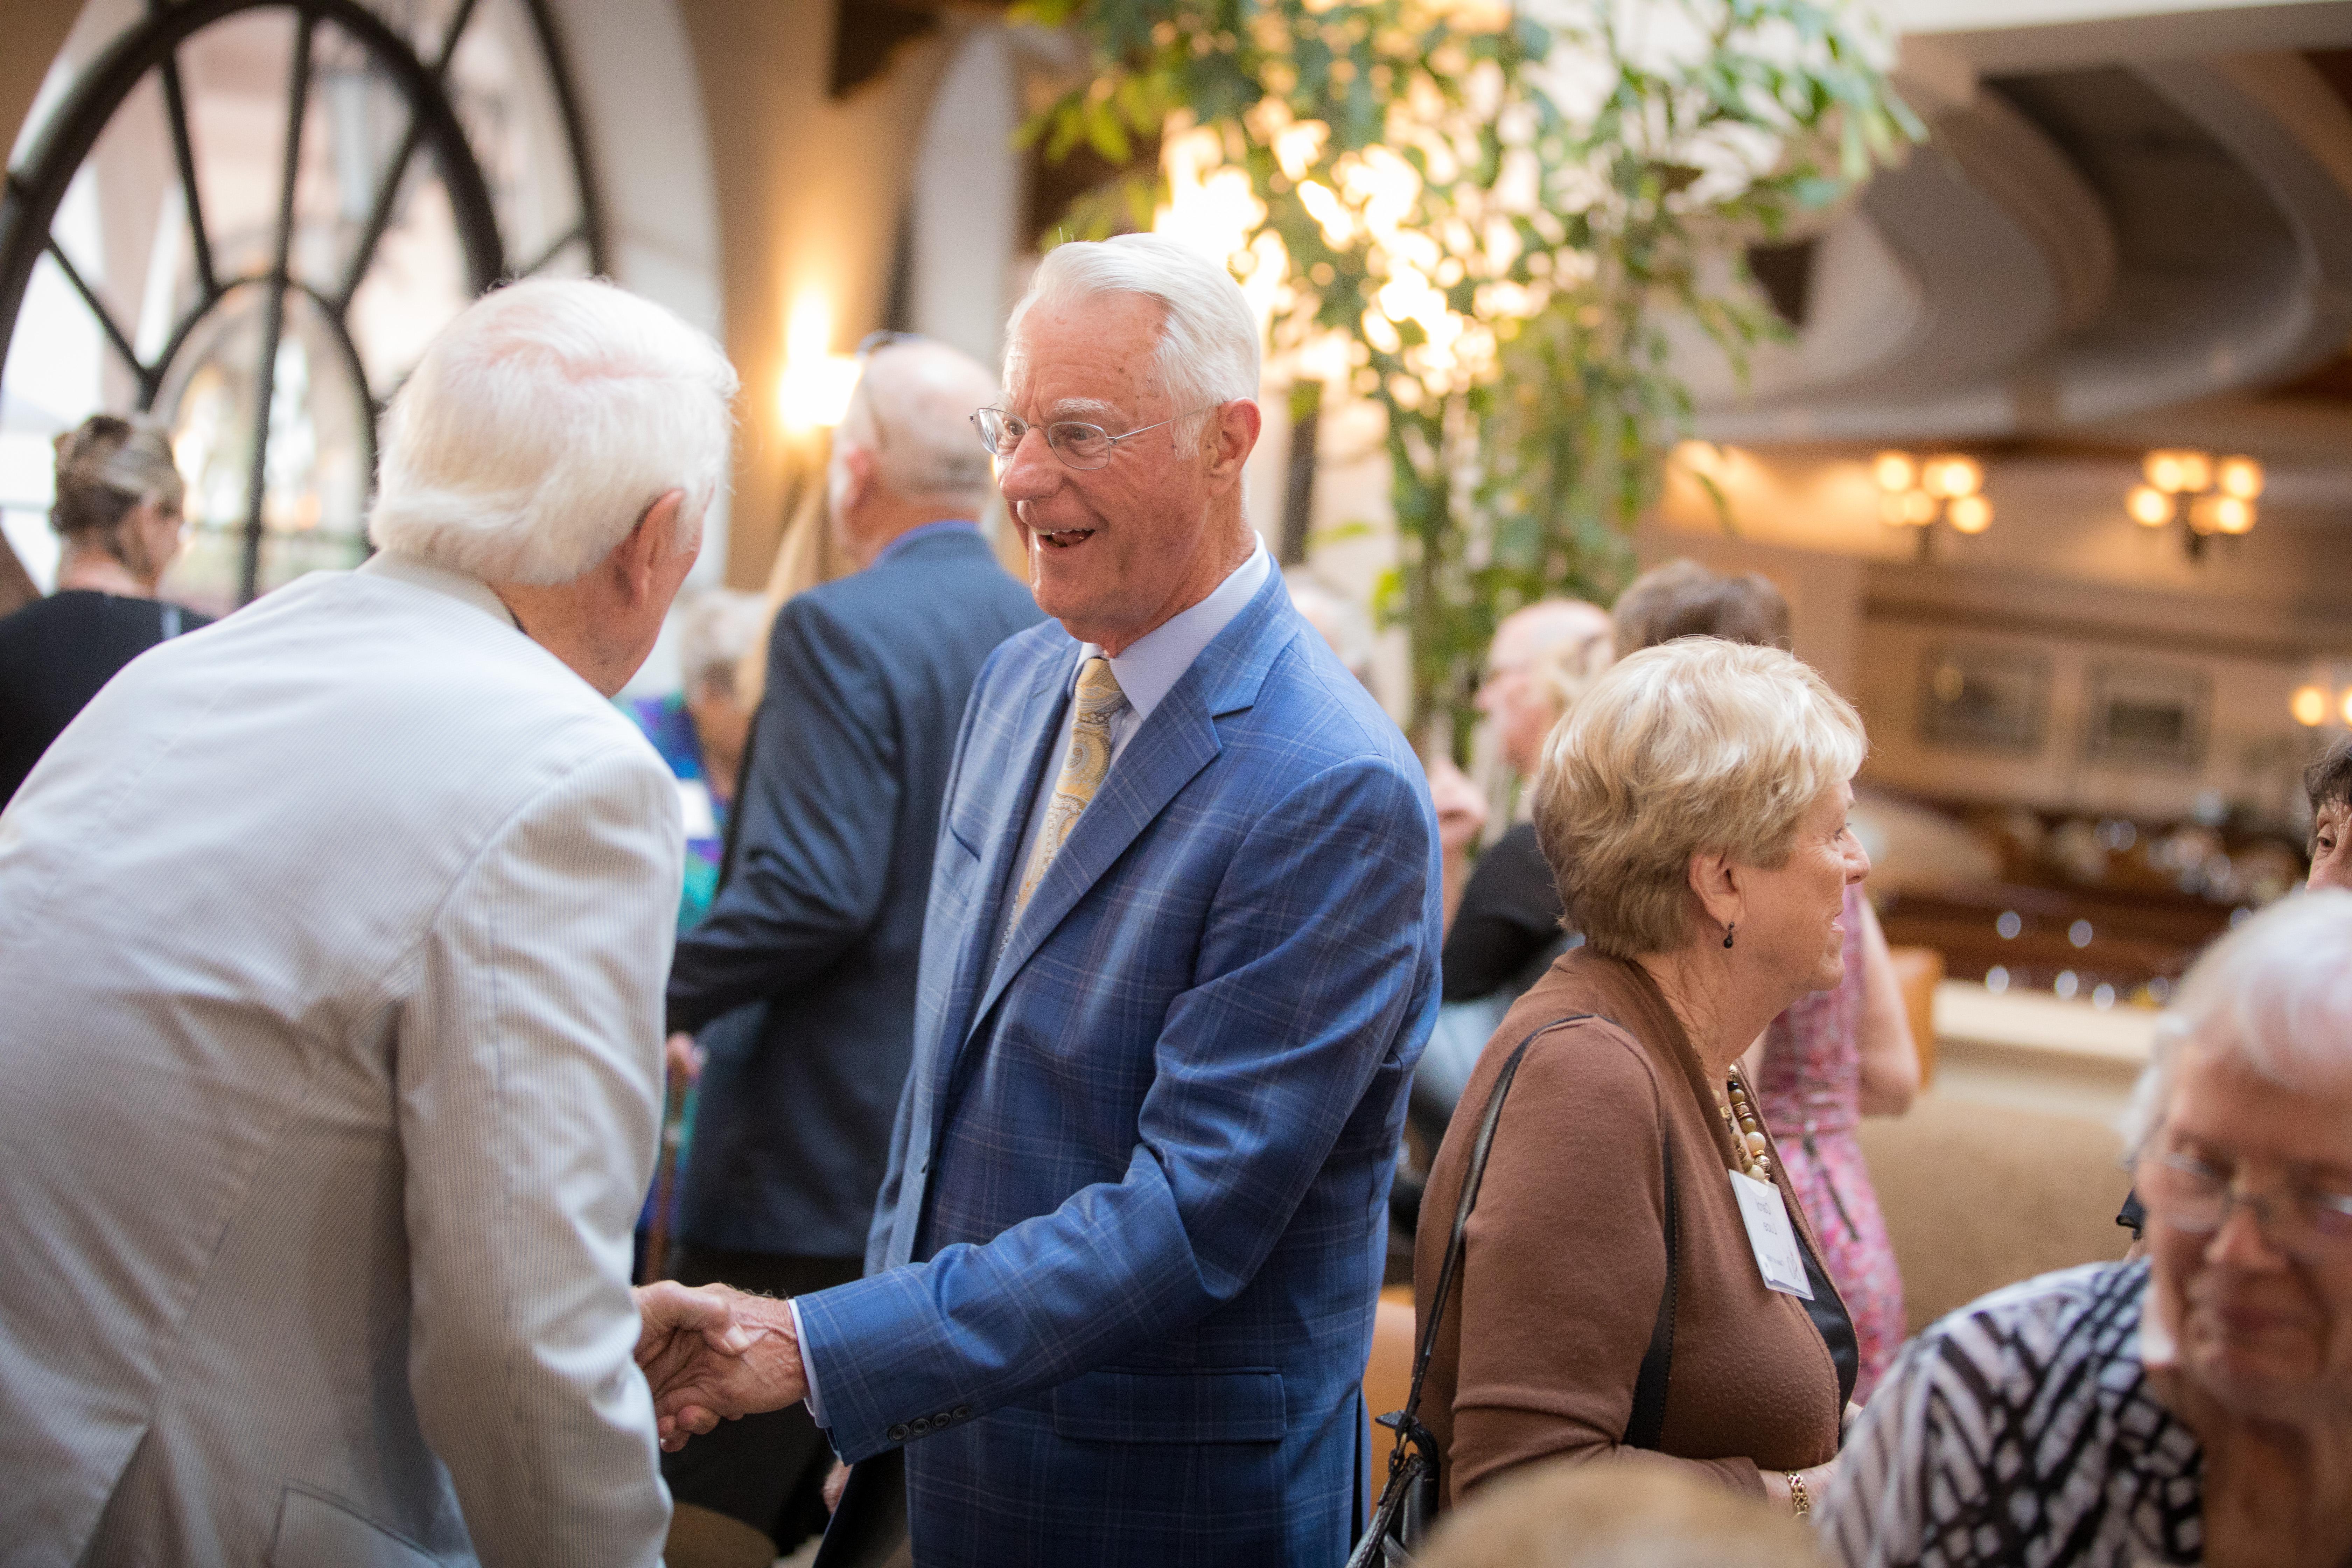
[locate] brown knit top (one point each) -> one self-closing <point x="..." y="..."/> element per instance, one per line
<point x="1565" y="1262"/>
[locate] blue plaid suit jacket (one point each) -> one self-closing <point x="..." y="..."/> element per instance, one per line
<point x="1121" y="1287"/>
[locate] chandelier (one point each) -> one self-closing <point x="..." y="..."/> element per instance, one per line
<point x="2205" y="494"/>
<point x="1917" y="492"/>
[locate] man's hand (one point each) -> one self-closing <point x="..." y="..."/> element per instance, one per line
<point x="836" y="1482"/>
<point x="699" y="1382"/>
<point x="676" y="1325"/>
<point x="683" y="1058"/>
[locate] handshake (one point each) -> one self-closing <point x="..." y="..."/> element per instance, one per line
<point x="713" y="1354"/>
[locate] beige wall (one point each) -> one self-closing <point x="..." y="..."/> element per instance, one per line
<point x="810" y="193"/>
<point x="33" y="32"/>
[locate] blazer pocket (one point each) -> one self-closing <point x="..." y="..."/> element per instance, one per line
<point x="316" y="1531"/>
<point x="1224" y="1407"/>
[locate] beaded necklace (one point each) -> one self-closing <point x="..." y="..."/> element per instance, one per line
<point x="1746" y="1132"/>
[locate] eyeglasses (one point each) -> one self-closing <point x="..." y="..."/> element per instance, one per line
<point x="1079" y="446"/>
<point x="2190" y="1195"/>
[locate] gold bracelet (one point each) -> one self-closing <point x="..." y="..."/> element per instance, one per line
<point x="1797" y="1499"/>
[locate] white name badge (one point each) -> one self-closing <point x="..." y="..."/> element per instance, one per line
<point x="1772" y="1235"/>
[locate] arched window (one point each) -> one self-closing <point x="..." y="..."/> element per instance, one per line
<point x="249" y="217"/>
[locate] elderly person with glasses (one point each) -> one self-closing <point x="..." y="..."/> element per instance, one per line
<point x="1637" y="1273"/>
<point x="2196" y="1405"/>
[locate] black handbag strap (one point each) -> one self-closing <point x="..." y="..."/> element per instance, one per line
<point x="1650" y="1384"/>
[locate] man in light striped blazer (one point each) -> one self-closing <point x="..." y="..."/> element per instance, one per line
<point x="332" y="940"/>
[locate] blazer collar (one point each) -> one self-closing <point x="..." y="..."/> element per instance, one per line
<point x="419" y="573"/>
<point x="1168" y="750"/>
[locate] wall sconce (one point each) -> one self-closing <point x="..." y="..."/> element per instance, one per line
<point x="814" y="390"/>
<point x="2310" y="706"/>
<point x="2207" y="497"/>
<point x="1920" y="494"/>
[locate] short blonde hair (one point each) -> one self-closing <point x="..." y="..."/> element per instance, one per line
<point x="1697" y="746"/>
<point x="1616" y="1513"/>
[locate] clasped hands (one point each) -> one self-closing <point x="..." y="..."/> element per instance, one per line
<point x="712" y="1353"/>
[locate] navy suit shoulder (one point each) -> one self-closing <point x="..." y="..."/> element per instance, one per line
<point x="804" y="972"/>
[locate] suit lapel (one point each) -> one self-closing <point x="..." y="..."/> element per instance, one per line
<point x="1174" y="745"/>
<point x="1177" y="742"/>
<point x="1035" y="723"/>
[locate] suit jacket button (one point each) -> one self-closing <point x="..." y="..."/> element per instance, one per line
<point x="941" y="1419"/>
<point x="962" y="1411"/>
<point x="922" y="1424"/>
<point x="896" y="1434"/>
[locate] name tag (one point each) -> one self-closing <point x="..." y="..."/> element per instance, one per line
<point x="1772" y="1235"/>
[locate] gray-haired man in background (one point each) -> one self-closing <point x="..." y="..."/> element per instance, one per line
<point x="820" y="913"/>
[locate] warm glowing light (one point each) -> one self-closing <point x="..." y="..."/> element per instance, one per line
<point x="2239" y="477"/>
<point x="2346" y="708"/>
<point x="2150" y="507"/>
<point x="1972" y="514"/>
<point x="1895" y="471"/>
<point x="2309" y="706"/>
<point x="1951" y="476"/>
<point x="813" y="392"/>
<point x="2165" y="472"/>
<point x="2205" y="514"/>
<point x="1919" y="508"/>
<point x="2233" y="515"/>
<point x="2196" y="470"/>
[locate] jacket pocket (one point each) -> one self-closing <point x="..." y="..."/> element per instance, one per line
<point x="316" y="1531"/>
<point x="1243" y="1406"/>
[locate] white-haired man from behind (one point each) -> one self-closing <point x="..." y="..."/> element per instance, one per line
<point x="334" y="938"/>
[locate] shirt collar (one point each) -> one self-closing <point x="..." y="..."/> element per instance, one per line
<point x="923" y="531"/>
<point x="1152" y="665"/>
<point x="420" y="572"/>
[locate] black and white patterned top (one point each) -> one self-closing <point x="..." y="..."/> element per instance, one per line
<point x="2021" y="1431"/>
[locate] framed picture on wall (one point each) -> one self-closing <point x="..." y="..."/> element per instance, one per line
<point x="2145" y="716"/>
<point x="1984" y="698"/>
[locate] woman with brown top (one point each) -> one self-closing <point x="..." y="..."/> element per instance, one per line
<point x="1693" y="804"/>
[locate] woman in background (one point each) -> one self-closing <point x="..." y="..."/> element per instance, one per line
<point x="118" y="510"/>
<point x="1835" y="1056"/>
<point x="703" y="728"/>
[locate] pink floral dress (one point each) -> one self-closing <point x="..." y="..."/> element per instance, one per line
<point x="1812" y="1090"/>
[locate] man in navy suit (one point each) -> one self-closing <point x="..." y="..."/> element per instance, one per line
<point x="1181" y="957"/>
<point x="819" y="922"/>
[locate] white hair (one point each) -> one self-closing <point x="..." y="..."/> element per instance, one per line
<point x="912" y="414"/>
<point x="716" y="627"/>
<point x="1209" y="339"/>
<point x="541" y="426"/>
<point x="2274" y="995"/>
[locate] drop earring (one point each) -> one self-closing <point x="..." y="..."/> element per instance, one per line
<point x="1728" y="928"/>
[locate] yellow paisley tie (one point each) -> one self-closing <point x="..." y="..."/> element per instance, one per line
<point x="1098" y="696"/>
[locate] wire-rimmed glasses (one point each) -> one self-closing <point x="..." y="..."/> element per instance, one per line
<point x="1080" y="445"/>
<point x="2189" y="1194"/>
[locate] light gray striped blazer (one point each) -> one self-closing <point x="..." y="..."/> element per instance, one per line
<point x="332" y="949"/>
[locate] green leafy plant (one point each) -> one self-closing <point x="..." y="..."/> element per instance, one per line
<point x="1488" y="221"/>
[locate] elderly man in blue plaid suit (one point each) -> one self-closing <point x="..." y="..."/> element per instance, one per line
<point x="1180" y="956"/>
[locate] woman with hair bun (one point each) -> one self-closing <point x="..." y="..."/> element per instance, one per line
<point x="117" y="504"/>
